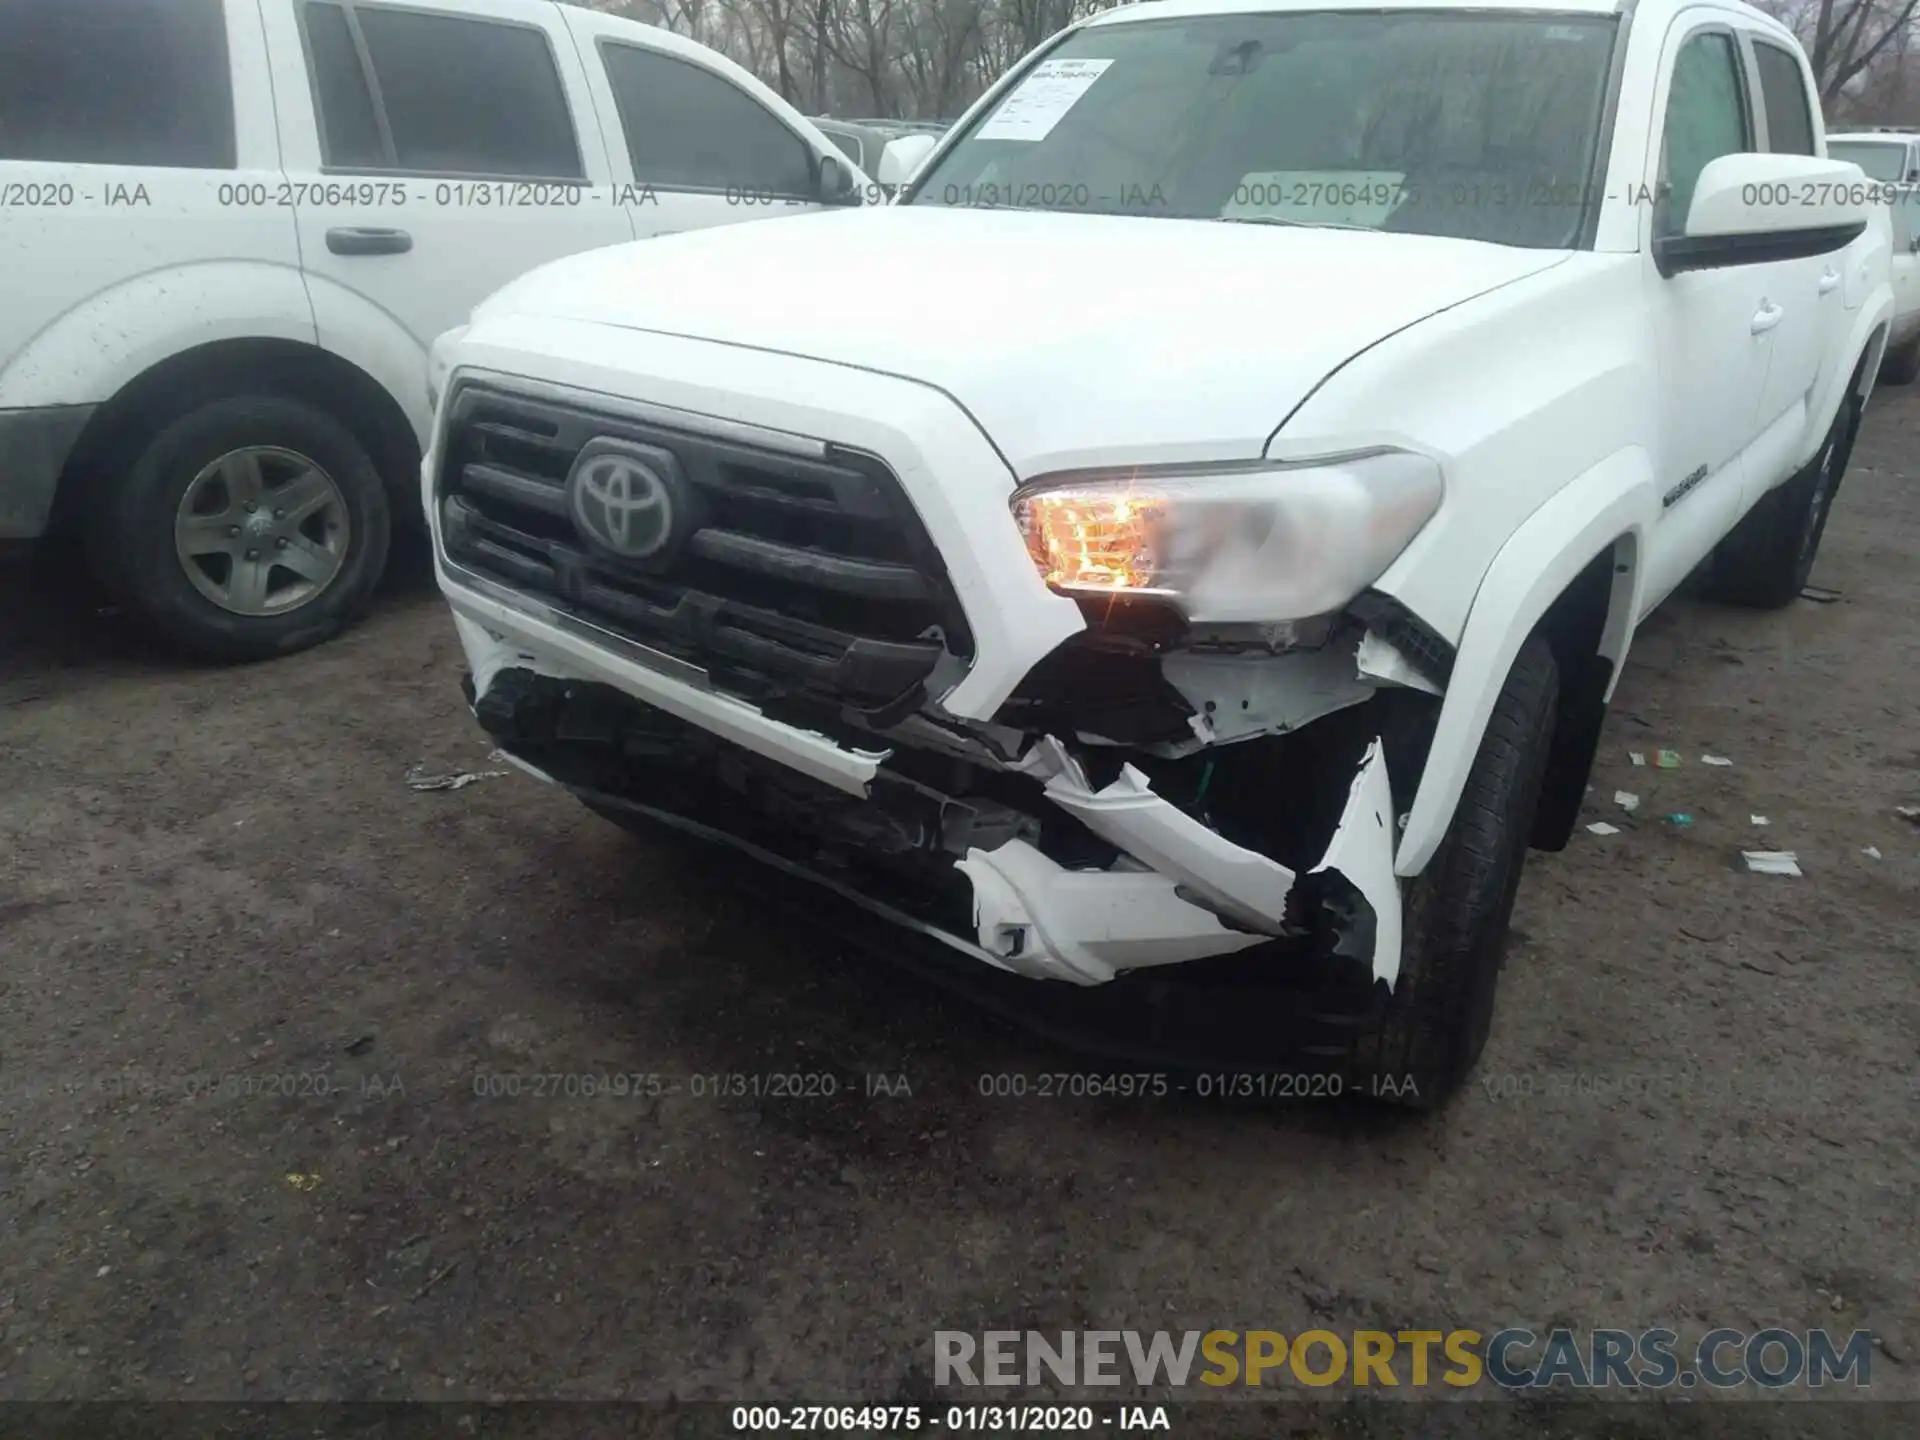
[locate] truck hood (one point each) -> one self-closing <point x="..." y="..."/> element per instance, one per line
<point x="1071" y="339"/>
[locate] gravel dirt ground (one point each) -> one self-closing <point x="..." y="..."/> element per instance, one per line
<point x="248" y="980"/>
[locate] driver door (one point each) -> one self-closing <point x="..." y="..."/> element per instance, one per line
<point x="1714" y="326"/>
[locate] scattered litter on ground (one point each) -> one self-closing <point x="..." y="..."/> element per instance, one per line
<point x="1679" y="819"/>
<point x="1872" y="852"/>
<point x="302" y="1182"/>
<point x="1600" y="827"/>
<point x="1636" y="757"/>
<point x="1626" y="800"/>
<point x="1771" y="862"/>
<point x="435" y="1278"/>
<point x="1668" y="759"/>
<point x="1715" y="760"/>
<point x="1819" y="594"/>
<point x="1910" y="813"/>
<point x="457" y="781"/>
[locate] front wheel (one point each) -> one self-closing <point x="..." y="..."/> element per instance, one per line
<point x="250" y="527"/>
<point x="1440" y="1012"/>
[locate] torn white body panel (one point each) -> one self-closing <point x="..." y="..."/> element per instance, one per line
<point x="1382" y="662"/>
<point x="497" y="636"/>
<point x="1085" y="925"/>
<point x="1362" y="850"/>
<point x="1239" y="696"/>
<point x="1181" y="891"/>
<point x="1238" y="883"/>
<point x="1088" y="925"/>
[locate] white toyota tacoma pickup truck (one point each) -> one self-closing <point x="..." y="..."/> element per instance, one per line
<point x="1223" y="567"/>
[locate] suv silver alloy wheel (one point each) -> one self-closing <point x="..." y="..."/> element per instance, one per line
<point x="262" y="531"/>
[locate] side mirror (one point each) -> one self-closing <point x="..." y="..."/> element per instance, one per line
<point x="1756" y="209"/>
<point x="837" y="185"/>
<point x="901" y="158"/>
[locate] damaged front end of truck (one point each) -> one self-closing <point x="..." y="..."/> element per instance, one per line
<point x="1155" y="791"/>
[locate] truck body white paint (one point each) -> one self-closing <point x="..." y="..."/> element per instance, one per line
<point x="1595" y="404"/>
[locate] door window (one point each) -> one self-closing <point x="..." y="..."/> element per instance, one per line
<point x="1706" y="118"/>
<point x="690" y="129"/>
<point x="1783" y="95"/>
<point x="116" y="82"/>
<point x="438" y="94"/>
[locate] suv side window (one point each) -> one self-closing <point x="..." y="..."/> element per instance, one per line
<point x="437" y="94"/>
<point x="1783" y="95"/>
<point x="690" y="129"/>
<point x="1707" y="117"/>
<point x="116" y="82"/>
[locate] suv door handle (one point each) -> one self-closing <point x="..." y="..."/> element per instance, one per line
<point x="1766" y="317"/>
<point x="364" y="240"/>
<point x="1829" y="278"/>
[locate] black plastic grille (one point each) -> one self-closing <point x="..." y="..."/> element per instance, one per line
<point x="789" y="575"/>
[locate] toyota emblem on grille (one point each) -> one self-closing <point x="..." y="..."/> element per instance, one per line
<point x="622" y="504"/>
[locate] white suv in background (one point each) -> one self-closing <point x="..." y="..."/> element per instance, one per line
<point x="232" y="229"/>
<point x="1892" y="156"/>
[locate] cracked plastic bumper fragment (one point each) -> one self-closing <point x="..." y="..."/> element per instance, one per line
<point x="1085" y="925"/>
<point x="1184" y="881"/>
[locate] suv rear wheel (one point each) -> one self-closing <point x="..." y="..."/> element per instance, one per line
<point x="1440" y="1012"/>
<point x="253" y="526"/>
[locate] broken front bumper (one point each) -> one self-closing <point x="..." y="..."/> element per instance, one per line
<point x="1040" y="871"/>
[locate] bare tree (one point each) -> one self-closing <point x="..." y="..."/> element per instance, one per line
<point x="928" y="58"/>
<point x="866" y="41"/>
<point x="1845" y="38"/>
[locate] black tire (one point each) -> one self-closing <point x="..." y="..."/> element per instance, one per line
<point x="1902" y="366"/>
<point x="1440" y="1012"/>
<point x="1764" y="562"/>
<point x="131" y="538"/>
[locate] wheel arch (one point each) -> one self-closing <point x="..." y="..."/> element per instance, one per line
<point x="291" y="368"/>
<point x="1574" y="572"/>
<point x="1588" y="627"/>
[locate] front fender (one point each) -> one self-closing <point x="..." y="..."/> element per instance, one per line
<point x="89" y="353"/>
<point x="1618" y="497"/>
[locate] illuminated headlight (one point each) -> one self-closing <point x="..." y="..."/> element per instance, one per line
<point x="1268" y="541"/>
<point x="439" y="363"/>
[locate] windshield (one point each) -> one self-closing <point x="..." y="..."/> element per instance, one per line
<point x="1439" y="123"/>
<point x="1881" y="159"/>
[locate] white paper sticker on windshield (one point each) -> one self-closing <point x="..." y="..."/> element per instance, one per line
<point x="1038" y="102"/>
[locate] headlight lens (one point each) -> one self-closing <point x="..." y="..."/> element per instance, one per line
<point x="1272" y="541"/>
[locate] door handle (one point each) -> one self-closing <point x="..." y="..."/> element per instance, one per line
<point x="1829" y="278"/>
<point x="365" y="240"/>
<point x="1766" y="317"/>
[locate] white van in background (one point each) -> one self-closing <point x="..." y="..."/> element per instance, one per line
<point x="232" y="229"/>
